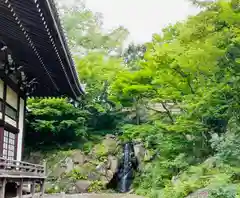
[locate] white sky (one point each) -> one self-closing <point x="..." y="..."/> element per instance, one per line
<point x="141" y="17"/>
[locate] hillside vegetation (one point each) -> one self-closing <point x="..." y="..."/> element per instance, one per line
<point x="178" y="94"/>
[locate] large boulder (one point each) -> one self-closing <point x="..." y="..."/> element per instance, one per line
<point x="110" y="136"/>
<point x="57" y="172"/>
<point x="88" y="170"/>
<point x="140" y="153"/>
<point x="82" y="186"/>
<point x="113" y="163"/>
<point x="108" y="168"/>
<point x="65" y="184"/>
<point x="107" y="147"/>
<point x="102" y="168"/>
<point x="72" y="190"/>
<point x="78" y="158"/>
<point x="109" y="175"/>
<point x="69" y="165"/>
<point x="93" y="176"/>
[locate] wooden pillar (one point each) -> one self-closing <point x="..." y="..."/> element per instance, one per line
<point x="42" y="183"/>
<point x="17" y="121"/>
<point x="20" y="189"/>
<point x="33" y="188"/>
<point x="3" y="187"/>
<point x="1" y="140"/>
<point x="4" y="98"/>
<point x="24" y="123"/>
<point x="42" y="188"/>
<point x="45" y="168"/>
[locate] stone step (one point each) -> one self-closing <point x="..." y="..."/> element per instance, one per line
<point x="92" y="195"/>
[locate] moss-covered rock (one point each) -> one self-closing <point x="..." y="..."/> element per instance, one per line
<point x="109" y="146"/>
<point x="65" y="168"/>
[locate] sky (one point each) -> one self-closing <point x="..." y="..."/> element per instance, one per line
<point x="141" y="17"/>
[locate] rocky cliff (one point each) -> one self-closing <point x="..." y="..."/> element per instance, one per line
<point x="78" y="171"/>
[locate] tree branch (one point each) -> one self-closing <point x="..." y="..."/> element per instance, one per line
<point x="179" y="71"/>
<point x="168" y="112"/>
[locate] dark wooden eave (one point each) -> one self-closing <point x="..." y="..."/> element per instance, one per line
<point x="33" y="32"/>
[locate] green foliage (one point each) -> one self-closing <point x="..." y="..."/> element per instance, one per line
<point x="87" y="147"/>
<point x="101" y="151"/>
<point x="223" y="192"/>
<point x="76" y="175"/>
<point x="85" y="31"/>
<point x="215" y="181"/>
<point x="53" y="190"/>
<point x="54" y="121"/>
<point x="132" y="55"/>
<point x="227" y="145"/>
<point x="97" y="71"/>
<point x="96" y="186"/>
<point x="190" y="71"/>
<point x="144" y="132"/>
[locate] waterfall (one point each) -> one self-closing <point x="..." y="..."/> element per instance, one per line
<point x="126" y="171"/>
<point x="126" y="158"/>
<point x="123" y="178"/>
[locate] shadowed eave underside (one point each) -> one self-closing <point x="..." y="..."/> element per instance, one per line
<point x="32" y="30"/>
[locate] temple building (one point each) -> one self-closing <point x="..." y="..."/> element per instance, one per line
<point x="35" y="61"/>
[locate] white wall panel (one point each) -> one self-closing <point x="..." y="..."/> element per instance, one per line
<point x="12" y="97"/>
<point x="10" y="121"/>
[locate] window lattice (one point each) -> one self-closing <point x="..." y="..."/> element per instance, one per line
<point x="9" y="142"/>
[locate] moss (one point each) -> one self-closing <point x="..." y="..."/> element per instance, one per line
<point x="53" y="189"/>
<point x="77" y="174"/>
<point x="105" y="148"/>
<point x="96" y="186"/>
<point x="100" y="151"/>
<point x="87" y="147"/>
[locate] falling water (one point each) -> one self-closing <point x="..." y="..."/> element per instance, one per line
<point x="126" y="171"/>
<point x="123" y="178"/>
<point x="126" y="161"/>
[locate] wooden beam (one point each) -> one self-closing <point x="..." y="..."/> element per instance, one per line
<point x="22" y="176"/>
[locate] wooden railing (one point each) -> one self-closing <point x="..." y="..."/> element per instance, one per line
<point x="14" y="168"/>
